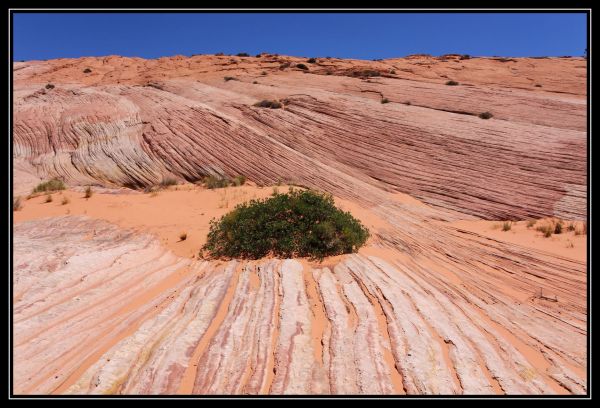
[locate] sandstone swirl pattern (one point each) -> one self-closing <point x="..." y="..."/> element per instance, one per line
<point x="113" y="312"/>
<point x="428" y="309"/>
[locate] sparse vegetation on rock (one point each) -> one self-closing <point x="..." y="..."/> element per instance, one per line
<point x="385" y="100"/>
<point x="302" y="67"/>
<point x="230" y="78"/>
<point x="301" y="223"/>
<point x="265" y="103"/>
<point x="168" y="181"/>
<point x="242" y="54"/>
<point x="506" y="226"/>
<point x="452" y="83"/>
<point x="17" y="204"/>
<point x="51" y="185"/>
<point x="49" y="86"/>
<point x="311" y="60"/>
<point x="485" y="115"/>
<point x="87" y="71"/>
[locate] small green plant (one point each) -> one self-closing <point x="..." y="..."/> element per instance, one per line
<point x="452" y="83"/>
<point x="213" y="182"/>
<point x="52" y="185"/>
<point x="385" y="100"/>
<point x="17" y="204"/>
<point x="48" y="198"/>
<point x="65" y="201"/>
<point x="506" y="226"/>
<point x="87" y="71"/>
<point x="311" y="60"/>
<point x="183" y="236"/>
<point x="302" y="67"/>
<point x="88" y="192"/>
<point x="238" y="180"/>
<point x="485" y="115"/>
<point x="230" y="78"/>
<point x="531" y="223"/>
<point x="265" y="103"/>
<point x="301" y="223"/>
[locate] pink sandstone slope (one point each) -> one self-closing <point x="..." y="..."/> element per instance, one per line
<point x="439" y="301"/>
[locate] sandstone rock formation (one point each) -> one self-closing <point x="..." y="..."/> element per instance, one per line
<point x="426" y="308"/>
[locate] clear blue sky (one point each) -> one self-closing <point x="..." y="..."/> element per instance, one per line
<point x="345" y="35"/>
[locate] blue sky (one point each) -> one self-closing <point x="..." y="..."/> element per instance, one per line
<point x="344" y="35"/>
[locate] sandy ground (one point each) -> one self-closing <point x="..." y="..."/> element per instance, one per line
<point x="189" y="209"/>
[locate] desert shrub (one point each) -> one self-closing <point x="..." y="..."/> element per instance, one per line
<point x="312" y="60"/>
<point x="238" y="180"/>
<point x="52" y="185"/>
<point x="65" y="201"/>
<point x="385" y="100"/>
<point x="300" y="223"/>
<point x="213" y="182"/>
<point x="48" y="198"/>
<point x="302" y="66"/>
<point x="265" y="103"/>
<point x="506" y="226"/>
<point x="465" y="56"/>
<point x="571" y="226"/>
<point x="258" y="55"/>
<point x="219" y="54"/>
<point x="531" y="223"/>
<point x="452" y="83"/>
<point x="230" y="78"/>
<point x="264" y="73"/>
<point x="558" y="228"/>
<point x="242" y="54"/>
<point x="49" y="86"/>
<point x="285" y="65"/>
<point x="183" y="236"/>
<point x="88" y="192"/>
<point x="87" y="71"/>
<point x="254" y="82"/>
<point x="485" y="115"/>
<point x="538" y="86"/>
<point x="393" y="71"/>
<point x="168" y="181"/>
<point x="546" y="229"/>
<point x="17" y="204"/>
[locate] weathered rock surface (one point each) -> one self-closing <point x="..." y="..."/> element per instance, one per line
<point x="133" y="121"/>
<point x="109" y="311"/>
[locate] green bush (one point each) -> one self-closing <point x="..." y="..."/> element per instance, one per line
<point x="52" y="185"/>
<point x="301" y="223"/>
<point x="238" y="180"/>
<point x="168" y="181"/>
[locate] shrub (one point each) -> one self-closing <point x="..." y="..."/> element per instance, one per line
<point x="213" y="182"/>
<point x="312" y="60"/>
<point x="52" y="185"/>
<point x="571" y="226"/>
<point x="452" y="83"/>
<point x="49" y="198"/>
<point x="265" y="103"/>
<point x="239" y="180"/>
<point x="168" y="181"/>
<point x="65" y="201"/>
<point x="230" y="78"/>
<point x="258" y="55"/>
<point x="393" y="71"/>
<point x="558" y="228"/>
<point x="87" y="71"/>
<point x="219" y="54"/>
<point x="17" y="204"/>
<point x="183" y="236"/>
<point x="49" y="86"/>
<point x="264" y="73"/>
<point x="385" y="100"/>
<point x="88" y="192"/>
<point x="255" y="82"/>
<point x="538" y="86"/>
<point x="299" y="223"/>
<point x="506" y="226"/>
<point x="546" y="230"/>
<point x="243" y="54"/>
<point x="465" y="56"/>
<point x="531" y="223"/>
<point x="302" y="67"/>
<point x="485" y="115"/>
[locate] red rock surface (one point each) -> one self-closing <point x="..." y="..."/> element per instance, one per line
<point x="427" y="307"/>
<point x="132" y="121"/>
